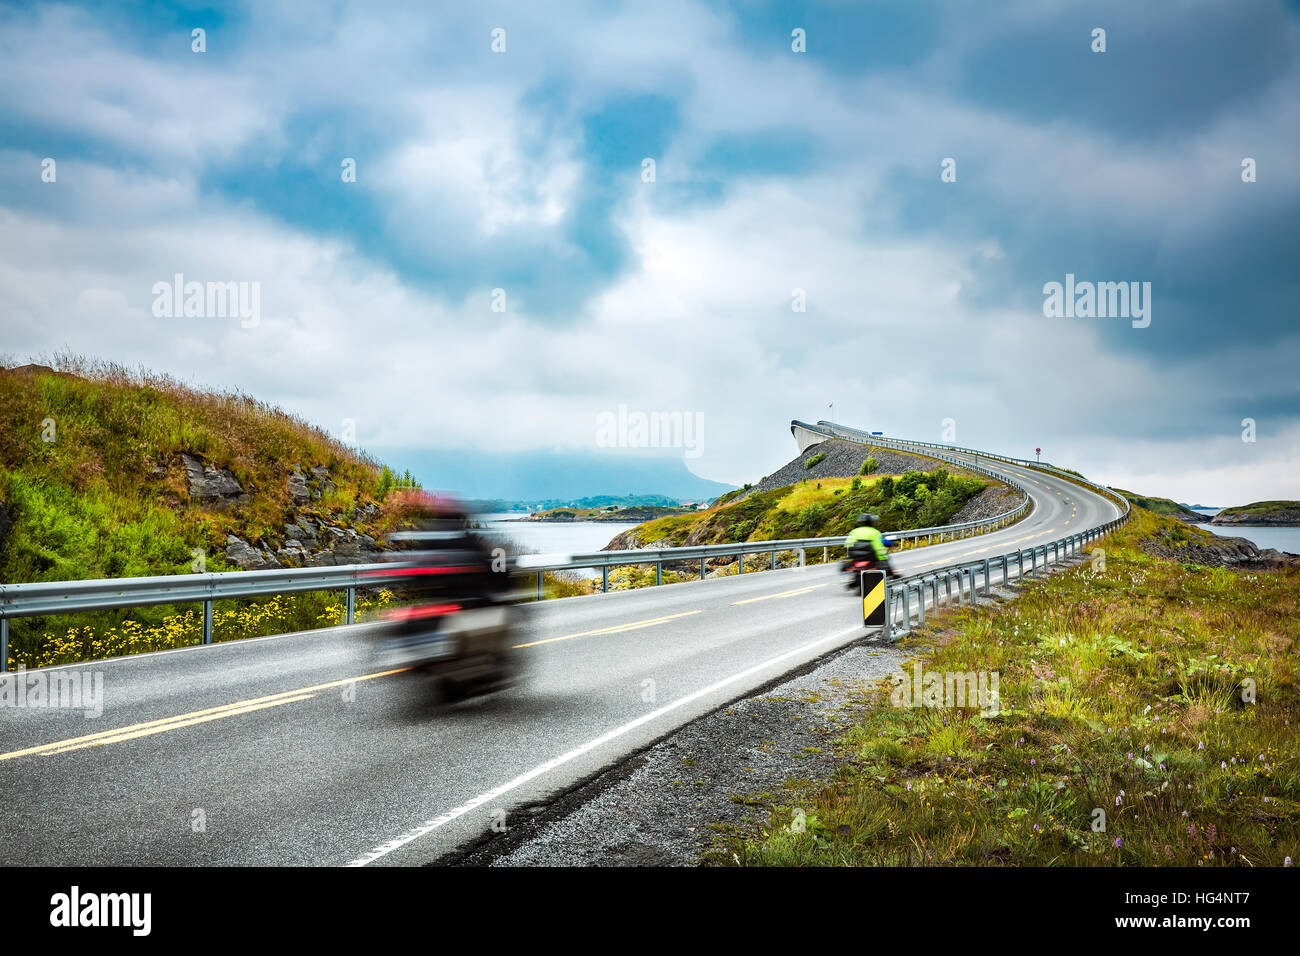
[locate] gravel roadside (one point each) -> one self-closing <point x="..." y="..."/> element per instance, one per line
<point x="658" y="808"/>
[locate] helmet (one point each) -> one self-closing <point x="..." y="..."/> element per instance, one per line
<point x="867" y="520"/>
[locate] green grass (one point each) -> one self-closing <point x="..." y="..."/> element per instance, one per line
<point x="1122" y="691"/>
<point x="823" y="507"/>
<point x="91" y="477"/>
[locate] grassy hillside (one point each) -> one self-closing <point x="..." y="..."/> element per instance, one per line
<point x="1162" y="506"/>
<point x="1161" y="692"/>
<point x="820" y="508"/>
<point x="94" y="485"/>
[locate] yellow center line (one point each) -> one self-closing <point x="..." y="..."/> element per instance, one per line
<point x="162" y="724"/>
<point x="768" y="597"/>
<point x="132" y="735"/>
<point x="616" y="629"/>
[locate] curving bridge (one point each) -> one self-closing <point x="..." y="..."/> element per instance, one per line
<point x="294" y="750"/>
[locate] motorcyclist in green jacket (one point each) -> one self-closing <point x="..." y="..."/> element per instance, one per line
<point x="867" y="537"/>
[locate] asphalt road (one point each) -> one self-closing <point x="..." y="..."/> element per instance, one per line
<point x="296" y="750"/>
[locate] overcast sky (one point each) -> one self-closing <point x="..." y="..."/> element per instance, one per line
<point x="775" y="171"/>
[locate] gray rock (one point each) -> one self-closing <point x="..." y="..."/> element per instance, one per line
<point x="247" y="557"/>
<point x="298" y="489"/>
<point x="301" y="531"/>
<point x="293" y="553"/>
<point x="208" y="483"/>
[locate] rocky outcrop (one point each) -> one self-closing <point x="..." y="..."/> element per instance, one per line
<point x="843" y="459"/>
<point x="307" y="544"/>
<point x="239" y="552"/>
<point x="1217" y="552"/>
<point x="209" y="484"/>
<point x="989" y="503"/>
<point x="307" y="487"/>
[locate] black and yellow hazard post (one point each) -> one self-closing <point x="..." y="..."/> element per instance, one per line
<point x="872" y="585"/>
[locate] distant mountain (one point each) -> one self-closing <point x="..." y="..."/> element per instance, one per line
<point x="563" y="477"/>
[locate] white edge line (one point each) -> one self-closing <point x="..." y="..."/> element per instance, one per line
<point x="486" y="797"/>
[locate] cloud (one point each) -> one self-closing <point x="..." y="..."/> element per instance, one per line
<point x="775" y="172"/>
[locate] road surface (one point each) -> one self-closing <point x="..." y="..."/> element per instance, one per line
<point x="296" y="750"/>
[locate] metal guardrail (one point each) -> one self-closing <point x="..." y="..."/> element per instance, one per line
<point x="68" y="597"/>
<point x="857" y="435"/>
<point x="964" y="574"/>
<point x="59" y="597"/>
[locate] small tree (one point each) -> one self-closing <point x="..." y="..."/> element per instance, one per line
<point x="869" y="465"/>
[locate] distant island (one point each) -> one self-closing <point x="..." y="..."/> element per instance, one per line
<point x="1201" y="507"/>
<point x="634" y="513"/>
<point x="1279" y="513"/>
<point x="591" y="502"/>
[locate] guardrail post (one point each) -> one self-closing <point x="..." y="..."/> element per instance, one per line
<point x="826" y="555"/>
<point x="702" y="560"/>
<point x="604" y="576"/>
<point x="774" y="559"/>
<point x="740" y="563"/>
<point x="659" y="573"/>
<point x="974" y="599"/>
<point x="920" y="604"/>
<point x="1033" y="561"/>
<point x="889" y="613"/>
<point x="801" y="557"/>
<point x="907" y="608"/>
<point x="207" y="622"/>
<point x="988" y="585"/>
<point x="4" y="644"/>
<point x="539" y="585"/>
<point x="352" y="605"/>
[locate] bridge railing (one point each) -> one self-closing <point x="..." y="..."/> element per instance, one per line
<point x="857" y="435"/>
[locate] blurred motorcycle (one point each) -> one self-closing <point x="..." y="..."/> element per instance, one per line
<point x="458" y="627"/>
